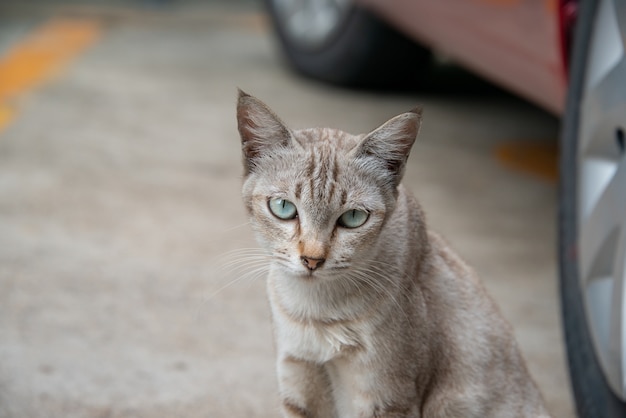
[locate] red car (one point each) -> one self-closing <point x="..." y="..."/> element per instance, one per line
<point x="566" y="56"/>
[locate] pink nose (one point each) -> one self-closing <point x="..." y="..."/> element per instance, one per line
<point x="312" y="263"/>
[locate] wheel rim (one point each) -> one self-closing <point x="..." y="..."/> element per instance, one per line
<point x="602" y="192"/>
<point x="310" y="23"/>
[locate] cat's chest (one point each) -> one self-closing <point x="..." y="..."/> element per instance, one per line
<point x="316" y="341"/>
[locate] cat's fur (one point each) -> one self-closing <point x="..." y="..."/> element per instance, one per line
<point x="393" y="323"/>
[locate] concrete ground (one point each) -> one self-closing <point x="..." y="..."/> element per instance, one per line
<point x="120" y="212"/>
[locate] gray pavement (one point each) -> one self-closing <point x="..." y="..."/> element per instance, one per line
<point x="120" y="209"/>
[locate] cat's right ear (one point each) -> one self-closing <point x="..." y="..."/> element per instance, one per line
<point x="260" y="130"/>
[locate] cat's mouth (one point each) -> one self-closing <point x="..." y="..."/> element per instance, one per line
<point x="305" y="274"/>
<point x="309" y="275"/>
<point x="326" y="273"/>
<point x="299" y="270"/>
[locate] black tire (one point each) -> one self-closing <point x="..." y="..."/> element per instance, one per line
<point x="362" y="51"/>
<point x="592" y="394"/>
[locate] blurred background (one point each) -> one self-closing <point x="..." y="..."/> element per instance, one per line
<point x="121" y="291"/>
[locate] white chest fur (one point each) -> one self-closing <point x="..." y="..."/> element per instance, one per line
<point x="294" y="306"/>
<point x="316" y="342"/>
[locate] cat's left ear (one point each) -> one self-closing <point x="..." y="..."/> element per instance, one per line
<point x="260" y="130"/>
<point x="390" y="144"/>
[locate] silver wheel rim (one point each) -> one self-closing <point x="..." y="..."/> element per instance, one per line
<point x="310" y="23"/>
<point x="602" y="191"/>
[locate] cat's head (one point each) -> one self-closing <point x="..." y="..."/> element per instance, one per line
<point x="318" y="198"/>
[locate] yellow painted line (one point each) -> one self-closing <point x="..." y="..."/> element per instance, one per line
<point x="539" y="159"/>
<point x="6" y="115"/>
<point x="39" y="57"/>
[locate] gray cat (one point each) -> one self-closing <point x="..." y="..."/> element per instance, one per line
<point x="374" y="315"/>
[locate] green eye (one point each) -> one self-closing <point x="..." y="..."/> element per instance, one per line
<point x="353" y="218"/>
<point x="283" y="209"/>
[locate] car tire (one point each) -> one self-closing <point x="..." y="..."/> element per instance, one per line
<point x="584" y="258"/>
<point x="359" y="50"/>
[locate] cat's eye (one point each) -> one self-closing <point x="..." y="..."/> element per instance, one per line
<point x="353" y="218"/>
<point x="283" y="209"/>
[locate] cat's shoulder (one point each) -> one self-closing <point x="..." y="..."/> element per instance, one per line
<point x="446" y="260"/>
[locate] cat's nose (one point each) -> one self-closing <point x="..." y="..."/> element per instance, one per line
<point x="311" y="262"/>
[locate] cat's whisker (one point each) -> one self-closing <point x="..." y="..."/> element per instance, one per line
<point x="233" y="265"/>
<point x="376" y="280"/>
<point x="387" y="269"/>
<point x="366" y="278"/>
<point x="243" y="251"/>
<point x="243" y="262"/>
<point x="231" y="257"/>
<point x="232" y="282"/>
<point x="255" y="271"/>
<point x="236" y="227"/>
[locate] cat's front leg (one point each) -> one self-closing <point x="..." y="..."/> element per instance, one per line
<point x="305" y="389"/>
<point x="364" y="407"/>
<point x="364" y="389"/>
